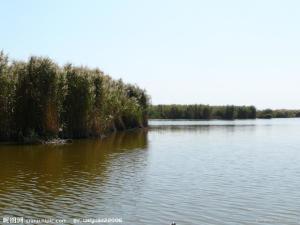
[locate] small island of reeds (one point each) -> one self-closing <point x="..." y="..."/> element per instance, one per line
<point x="40" y="100"/>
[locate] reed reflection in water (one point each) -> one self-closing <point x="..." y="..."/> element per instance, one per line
<point x="87" y="178"/>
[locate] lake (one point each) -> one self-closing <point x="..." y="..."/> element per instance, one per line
<point x="190" y="172"/>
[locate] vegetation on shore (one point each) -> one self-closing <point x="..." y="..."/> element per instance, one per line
<point x="40" y="100"/>
<point x="277" y="113"/>
<point x="228" y="112"/>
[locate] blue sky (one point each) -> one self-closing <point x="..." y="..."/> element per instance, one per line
<point x="212" y="52"/>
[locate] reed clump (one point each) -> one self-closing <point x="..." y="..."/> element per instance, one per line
<point x="41" y="100"/>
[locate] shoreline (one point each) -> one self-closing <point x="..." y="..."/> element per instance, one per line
<point x="62" y="141"/>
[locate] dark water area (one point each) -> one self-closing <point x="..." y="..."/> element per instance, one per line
<point x="190" y="172"/>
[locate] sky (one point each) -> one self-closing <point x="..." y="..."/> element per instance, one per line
<point x="181" y="51"/>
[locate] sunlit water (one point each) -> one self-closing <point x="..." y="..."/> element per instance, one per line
<point x="190" y="172"/>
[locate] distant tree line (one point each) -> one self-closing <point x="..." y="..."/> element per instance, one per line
<point x="39" y="99"/>
<point x="228" y="112"/>
<point x="277" y="113"/>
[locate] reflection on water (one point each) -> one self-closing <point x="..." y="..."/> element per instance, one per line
<point x="79" y="180"/>
<point x="191" y="172"/>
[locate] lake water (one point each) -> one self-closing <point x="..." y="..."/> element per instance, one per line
<point x="190" y="172"/>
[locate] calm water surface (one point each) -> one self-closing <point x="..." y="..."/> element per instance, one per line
<point x="190" y="172"/>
